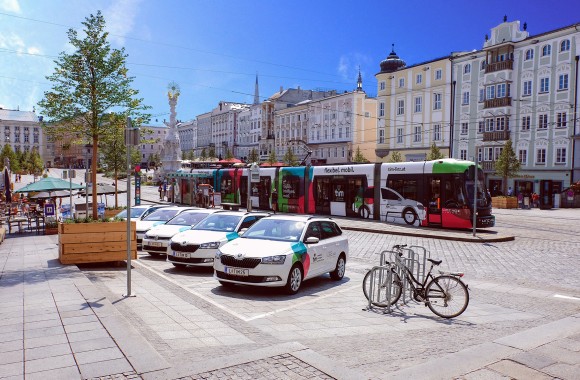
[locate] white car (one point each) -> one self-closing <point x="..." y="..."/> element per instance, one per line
<point x="139" y="212"/>
<point x="198" y="245"/>
<point x="156" y="240"/>
<point x="157" y="217"/>
<point x="282" y="251"/>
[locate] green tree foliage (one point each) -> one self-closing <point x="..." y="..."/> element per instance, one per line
<point x="211" y="153"/>
<point x="507" y="164"/>
<point x="229" y="154"/>
<point x="290" y="158"/>
<point x="396" y="157"/>
<point x="183" y="155"/>
<point x="8" y="153"/>
<point x="253" y="156"/>
<point x="359" y="157"/>
<point x="435" y="153"/>
<point x="88" y="85"/>
<point x="191" y="155"/>
<point x="35" y="164"/>
<point x="272" y="159"/>
<point x="203" y="155"/>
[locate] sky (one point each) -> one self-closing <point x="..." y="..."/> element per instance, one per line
<point x="213" y="49"/>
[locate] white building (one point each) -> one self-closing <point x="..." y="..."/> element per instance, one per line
<point x="149" y="150"/>
<point x="22" y="131"/>
<point x="224" y="127"/>
<point x="188" y="136"/>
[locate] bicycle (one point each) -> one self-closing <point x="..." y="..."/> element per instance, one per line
<point x="446" y="295"/>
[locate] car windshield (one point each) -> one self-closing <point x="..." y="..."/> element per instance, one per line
<point x="187" y="218"/>
<point x="161" y="215"/>
<point x="218" y="222"/>
<point x="275" y="229"/>
<point x="135" y="213"/>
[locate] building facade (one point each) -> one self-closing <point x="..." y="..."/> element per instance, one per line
<point x="151" y="150"/>
<point x="414" y="108"/>
<point x="23" y="132"/>
<point x="188" y="136"/>
<point x="520" y="88"/>
<point x="224" y="127"/>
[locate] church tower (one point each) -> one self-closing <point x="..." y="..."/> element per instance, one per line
<point x="256" y="92"/>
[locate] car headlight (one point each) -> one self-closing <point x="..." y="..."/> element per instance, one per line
<point x="218" y="254"/>
<point x="149" y="236"/>
<point x="278" y="259"/>
<point x="212" y="245"/>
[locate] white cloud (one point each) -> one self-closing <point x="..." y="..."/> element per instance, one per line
<point x="33" y="50"/>
<point x="120" y="18"/>
<point x="11" y="41"/>
<point x="10" y="6"/>
<point x="348" y="65"/>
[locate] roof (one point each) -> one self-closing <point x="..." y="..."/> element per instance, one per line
<point x="14" y="115"/>
<point x="299" y="218"/>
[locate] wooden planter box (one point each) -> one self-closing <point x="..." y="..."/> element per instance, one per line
<point x="50" y="230"/>
<point x="80" y="243"/>
<point x="504" y="202"/>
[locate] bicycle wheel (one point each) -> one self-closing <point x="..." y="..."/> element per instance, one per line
<point x="447" y="296"/>
<point x="380" y="287"/>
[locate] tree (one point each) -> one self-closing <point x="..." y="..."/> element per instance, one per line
<point x="88" y="86"/>
<point x="211" y="153"/>
<point x="359" y="157"/>
<point x="272" y="159"/>
<point x="35" y="163"/>
<point x="203" y="155"/>
<point x="435" y="153"/>
<point x="507" y="164"/>
<point x="290" y="157"/>
<point x="253" y="156"/>
<point x="229" y="154"/>
<point x="396" y="157"/>
<point x="8" y="153"/>
<point x="183" y="155"/>
<point x="114" y="151"/>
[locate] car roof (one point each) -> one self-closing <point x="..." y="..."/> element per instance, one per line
<point x="300" y="218"/>
<point x="203" y="210"/>
<point x="242" y="213"/>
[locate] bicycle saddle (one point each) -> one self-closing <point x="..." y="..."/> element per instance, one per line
<point x="435" y="262"/>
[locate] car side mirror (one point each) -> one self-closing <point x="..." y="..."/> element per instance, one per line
<point x="312" y="240"/>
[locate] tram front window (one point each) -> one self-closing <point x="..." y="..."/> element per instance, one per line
<point x="482" y="199"/>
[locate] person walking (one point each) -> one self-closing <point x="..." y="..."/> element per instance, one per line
<point x="160" y="189"/>
<point x="520" y="200"/>
<point x="274" y="200"/>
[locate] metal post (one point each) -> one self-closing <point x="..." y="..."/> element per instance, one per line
<point x="249" y="197"/>
<point x="87" y="183"/>
<point x="475" y="179"/>
<point x="128" y="146"/>
<point x="69" y="191"/>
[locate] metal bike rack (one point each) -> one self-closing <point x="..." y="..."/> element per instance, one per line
<point x="374" y="294"/>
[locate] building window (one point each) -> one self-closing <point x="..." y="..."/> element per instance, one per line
<point x="560" y="155"/>
<point x="381" y="136"/>
<point x="500" y="124"/>
<point x="479" y="154"/>
<point x="497" y="152"/>
<point x="400" y="107"/>
<point x="481" y="95"/>
<point x="529" y="54"/>
<point x="463" y="154"/>
<point x="419" y="78"/>
<point x="541" y="156"/>
<point x="565" y="45"/>
<point x="481" y="126"/>
<point x="465" y="98"/>
<point x="501" y="90"/>
<point x="543" y="121"/>
<point x="488" y="154"/>
<point x="464" y="128"/>
<point x="347" y="132"/>
<point x="417" y="134"/>
<point x="382" y="86"/>
<point x="399" y="135"/>
<point x="35" y="139"/>
<point x="418" y="104"/>
<point x="332" y="133"/>
<point x="401" y="82"/>
<point x="526" y="122"/>
<point x="436" y="101"/>
<point x="561" y="120"/>
<point x="544" y="85"/>
<point x="437" y="132"/>
<point x="490" y="92"/>
<point x="527" y="88"/>
<point x="467" y="69"/>
<point x="340" y="132"/>
<point x="489" y="125"/>
<point x="523" y="156"/>
<point x="438" y="74"/>
<point x="546" y="50"/>
<point x="482" y="65"/>
<point x="563" y="82"/>
<point x="381" y="109"/>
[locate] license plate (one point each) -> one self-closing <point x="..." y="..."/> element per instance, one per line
<point x="183" y="255"/>
<point x="237" y="271"/>
<point x="155" y="244"/>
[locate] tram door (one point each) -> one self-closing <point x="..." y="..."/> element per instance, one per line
<point x="434" y="198"/>
<point x="354" y="198"/>
<point x="243" y="191"/>
<point x="322" y="201"/>
<point x="264" y="190"/>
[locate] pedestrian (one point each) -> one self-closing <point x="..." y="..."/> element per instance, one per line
<point x="274" y="200"/>
<point x="535" y="200"/>
<point x="160" y="192"/>
<point x="520" y="200"/>
<point x="510" y="192"/>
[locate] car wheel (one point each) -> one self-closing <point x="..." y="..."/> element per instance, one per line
<point x="338" y="273"/>
<point x="294" y="280"/>
<point x="179" y="266"/>
<point x="409" y="216"/>
<point x="364" y="212"/>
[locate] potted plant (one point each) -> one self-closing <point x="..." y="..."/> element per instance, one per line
<point x="91" y="241"/>
<point x="51" y="227"/>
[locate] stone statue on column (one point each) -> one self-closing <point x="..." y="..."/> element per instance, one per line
<point x="171" y="151"/>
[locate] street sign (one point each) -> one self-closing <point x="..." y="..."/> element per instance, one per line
<point x="49" y="209"/>
<point x="70" y="173"/>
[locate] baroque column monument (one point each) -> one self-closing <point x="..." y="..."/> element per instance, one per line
<point x="171" y="151"/>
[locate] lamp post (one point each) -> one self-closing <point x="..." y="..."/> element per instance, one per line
<point x="87" y="150"/>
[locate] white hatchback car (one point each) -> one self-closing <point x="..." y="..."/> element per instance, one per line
<point x="283" y="250"/>
<point x="156" y="240"/>
<point x="198" y="245"/>
<point x="157" y="217"/>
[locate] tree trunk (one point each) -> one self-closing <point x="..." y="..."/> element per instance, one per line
<point x="116" y="194"/>
<point x="94" y="176"/>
